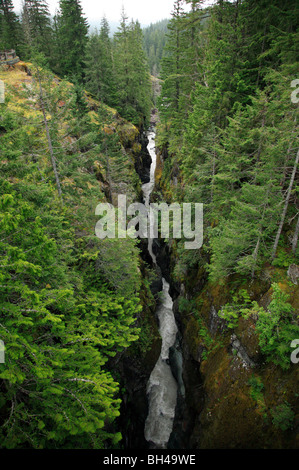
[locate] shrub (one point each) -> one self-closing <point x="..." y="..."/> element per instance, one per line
<point x="283" y="416"/>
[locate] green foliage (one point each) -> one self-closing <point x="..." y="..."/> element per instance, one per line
<point x="10" y="31"/>
<point x="283" y="416"/>
<point x="37" y="30"/>
<point x="117" y="70"/>
<point x="277" y="328"/>
<point x="154" y="43"/>
<point x="257" y="387"/>
<point x="283" y="259"/>
<point x="228" y="124"/>
<point x="210" y="344"/>
<point x="187" y="261"/>
<point x="72" y="31"/>
<point x="68" y="301"/>
<point x="239" y="306"/>
<point x="186" y="306"/>
<point x="132" y="79"/>
<point x="256" y="393"/>
<point x="189" y="307"/>
<point x="99" y="74"/>
<point x="114" y="71"/>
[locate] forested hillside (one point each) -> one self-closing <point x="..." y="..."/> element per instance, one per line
<point x="228" y="138"/>
<point x="79" y="315"/>
<point x="70" y="302"/>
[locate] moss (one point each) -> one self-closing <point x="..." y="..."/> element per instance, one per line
<point x="192" y="339"/>
<point x="127" y="133"/>
<point x="249" y="338"/>
<point x="100" y="172"/>
<point x="136" y="148"/>
<point x="231" y="415"/>
<point x="159" y="170"/>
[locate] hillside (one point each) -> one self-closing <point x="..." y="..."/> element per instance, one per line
<point x="69" y="301"/>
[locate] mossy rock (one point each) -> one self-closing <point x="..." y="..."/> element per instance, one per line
<point x="136" y="148"/>
<point x="233" y="423"/>
<point x="127" y="133"/>
<point x="249" y="338"/>
<point x="231" y="418"/>
<point x="100" y="172"/>
<point x="192" y="339"/>
<point x="159" y="170"/>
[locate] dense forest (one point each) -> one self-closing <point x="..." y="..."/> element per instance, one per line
<point x="77" y="314"/>
<point x="228" y="138"/>
<point x="154" y="45"/>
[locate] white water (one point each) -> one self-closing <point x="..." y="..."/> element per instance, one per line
<point x="161" y="387"/>
<point x="148" y="187"/>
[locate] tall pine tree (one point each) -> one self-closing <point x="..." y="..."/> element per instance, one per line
<point x="37" y="29"/>
<point x="9" y="26"/>
<point x="72" y="38"/>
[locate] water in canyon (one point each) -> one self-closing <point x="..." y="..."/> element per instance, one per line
<point x="162" y="387"/>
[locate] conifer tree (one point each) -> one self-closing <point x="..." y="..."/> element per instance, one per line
<point x="9" y="26"/>
<point x="72" y="38"/>
<point x="172" y="64"/>
<point x="99" y="76"/>
<point x="131" y="73"/>
<point x="36" y="22"/>
<point x="154" y="43"/>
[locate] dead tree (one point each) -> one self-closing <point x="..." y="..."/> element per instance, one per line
<point x="53" y="160"/>
<point x="285" y="208"/>
<point x="295" y="237"/>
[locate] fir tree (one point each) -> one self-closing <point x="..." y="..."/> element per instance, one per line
<point x="9" y="26"/>
<point x="131" y="73"/>
<point x="72" y="38"/>
<point x="36" y="22"/>
<point x="99" y="75"/>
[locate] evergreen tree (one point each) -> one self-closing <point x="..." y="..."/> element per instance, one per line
<point x="236" y="148"/>
<point x="154" y="43"/>
<point x="172" y="64"/>
<point x="131" y="73"/>
<point x="72" y="38"/>
<point x="67" y="302"/>
<point x="37" y="29"/>
<point x="9" y="26"/>
<point x="99" y="75"/>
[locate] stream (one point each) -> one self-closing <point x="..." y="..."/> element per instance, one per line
<point x="162" y="387"/>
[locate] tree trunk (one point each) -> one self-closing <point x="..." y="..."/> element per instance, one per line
<point x="285" y="170"/>
<point x="255" y="255"/>
<point x="53" y="160"/>
<point x="286" y="204"/>
<point x="108" y="173"/>
<point x="295" y="238"/>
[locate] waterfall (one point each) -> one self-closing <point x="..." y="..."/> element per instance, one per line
<point x="148" y="187"/>
<point x="162" y="387"/>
